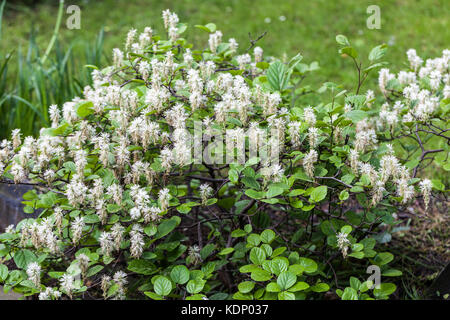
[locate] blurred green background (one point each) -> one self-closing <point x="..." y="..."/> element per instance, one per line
<point x="27" y="86"/>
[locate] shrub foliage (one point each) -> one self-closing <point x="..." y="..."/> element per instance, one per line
<point x="134" y="203"/>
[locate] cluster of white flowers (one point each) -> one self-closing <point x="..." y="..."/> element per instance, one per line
<point x="308" y="162"/>
<point x="425" y="188"/>
<point x="421" y="101"/>
<point x="205" y="192"/>
<point x="170" y="23"/>
<point x="34" y="273"/>
<point x="122" y="161"/>
<point x="343" y="243"/>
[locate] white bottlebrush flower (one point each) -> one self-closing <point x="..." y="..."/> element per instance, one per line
<point x="233" y="45"/>
<point x="117" y="231"/>
<point x="163" y="197"/>
<point x="34" y="273"/>
<point x="308" y="162"/>
<point x="106" y="243"/>
<point x="77" y="229"/>
<point x="105" y="285"/>
<point x="135" y="213"/>
<point x="370" y="96"/>
<point x="354" y="160"/>
<point x="214" y="40"/>
<point x="54" y="113"/>
<point x="294" y="133"/>
<point x="425" y="187"/>
<point x="258" y="52"/>
<point x="67" y="284"/>
<point x="383" y="78"/>
<point x="377" y="192"/>
<point x="117" y="57"/>
<point x="243" y="60"/>
<point x="343" y="243"/>
<point x="16" y="138"/>
<point x="313" y="135"/>
<point x="194" y="254"/>
<point x="120" y="279"/>
<point x="131" y="37"/>
<point x="137" y="241"/>
<point x="405" y="191"/>
<point x="414" y="60"/>
<point x="309" y="116"/>
<point x="49" y="294"/>
<point x="205" y="192"/>
<point x="83" y="261"/>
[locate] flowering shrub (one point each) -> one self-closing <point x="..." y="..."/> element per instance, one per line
<point x="140" y="196"/>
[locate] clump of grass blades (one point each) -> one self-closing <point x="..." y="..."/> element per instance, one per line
<point x="31" y="82"/>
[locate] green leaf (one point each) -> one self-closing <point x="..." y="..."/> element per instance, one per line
<point x="320" y="287"/>
<point x="309" y="264"/>
<point x="257" y="255"/>
<point x="343" y="195"/>
<point x="141" y="266"/>
<point x="392" y="273"/>
<point x="260" y="275"/>
<point x="342" y="40"/>
<point x="180" y="274"/>
<point x="383" y="258"/>
<point x="254" y="194"/>
<point x="356" y="115"/>
<point x="238" y="233"/>
<point x="195" y="286"/>
<point x="385" y="289"/>
<point x="286" y="280"/>
<point x="299" y="286"/>
<point x="84" y="109"/>
<point x="207" y="250"/>
<point x="3" y="272"/>
<point x="278" y="76"/>
<point x="246" y="286"/>
<point x="250" y="182"/>
<point x="349" y="294"/>
<point x="24" y="257"/>
<point x="226" y="251"/>
<point x="162" y="286"/>
<point x="273" y="287"/>
<point x="94" y="270"/>
<point x="254" y="239"/>
<point x="378" y="52"/>
<point x="346" y="229"/>
<point x="355" y="283"/>
<point x="113" y="208"/>
<point x="286" y="296"/>
<point x="211" y="27"/>
<point x="437" y="185"/>
<point x="350" y="51"/>
<point x="274" y="191"/>
<point x="318" y="194"/>
<point x="153" y="295"/>
<point x="267" y="236"/>
<point x="233" y="175"/>
<point x="167" y="226"/>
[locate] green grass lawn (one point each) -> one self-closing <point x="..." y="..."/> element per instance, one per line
<point x="309" y="26"/>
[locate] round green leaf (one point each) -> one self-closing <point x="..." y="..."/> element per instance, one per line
<point x="257" y="255"/>
<point x="195" y="286"/>
<point x="286" y="280"/>
<point x="162" y="286"/>
<point x="267" y="236"/>
<point x="309" y="264"/>
<point x="180" y="274"/>
<point x="246" y="286"/>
